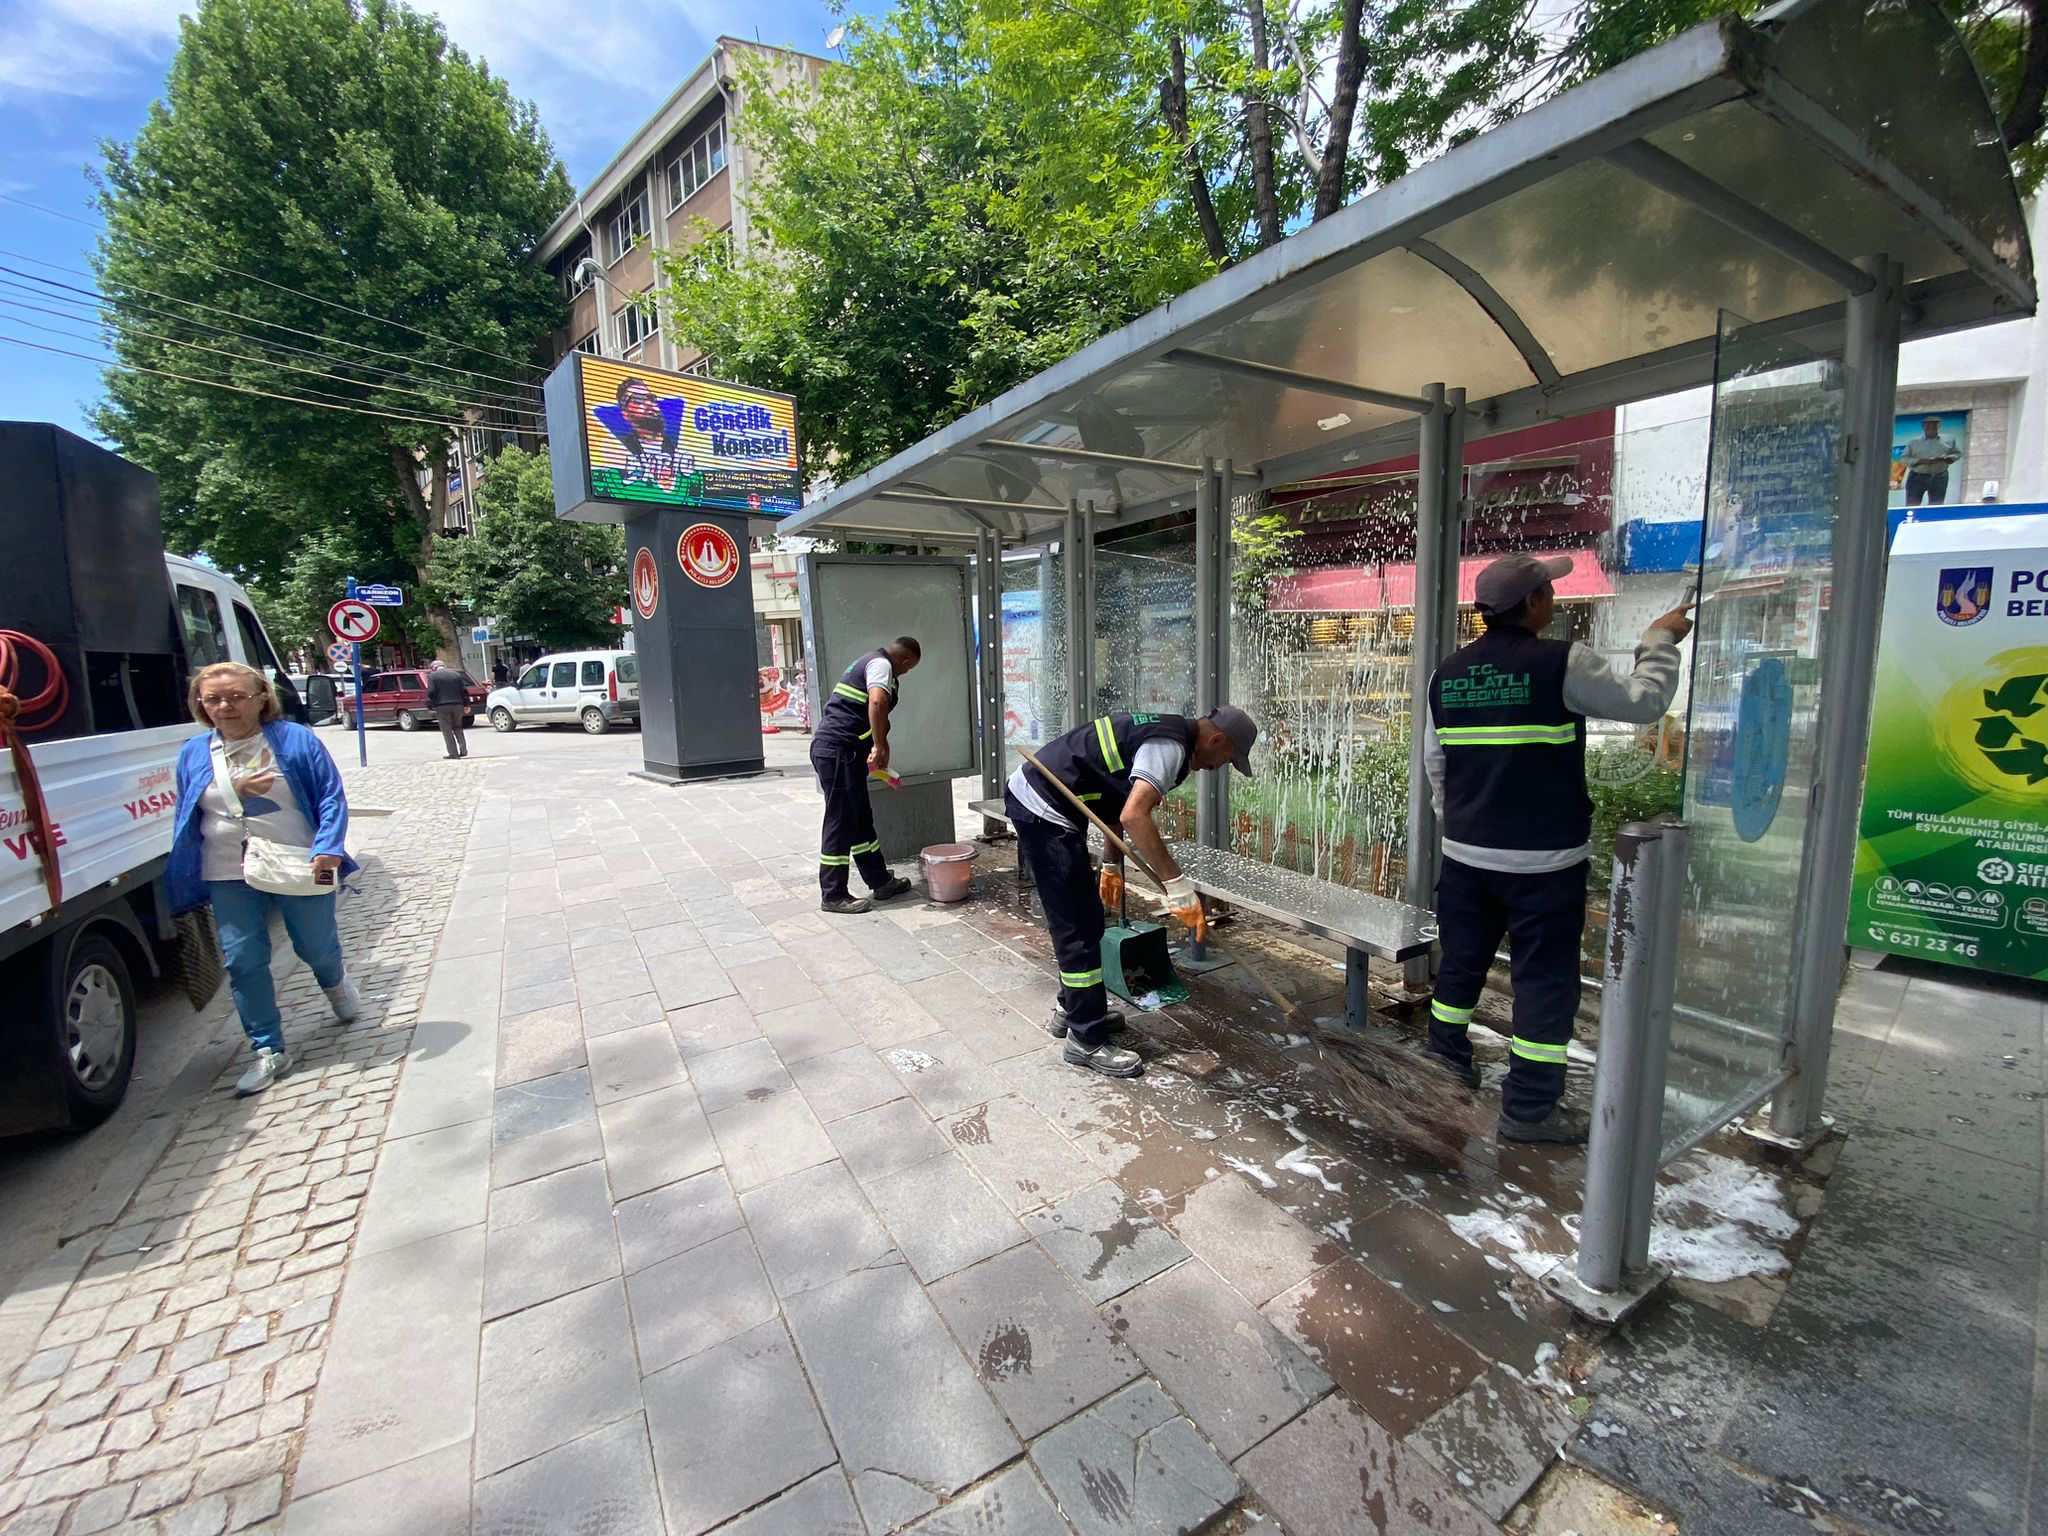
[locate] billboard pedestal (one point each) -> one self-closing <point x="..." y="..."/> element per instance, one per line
<point x="693" y="629"/>
<point x="911" y="819"/>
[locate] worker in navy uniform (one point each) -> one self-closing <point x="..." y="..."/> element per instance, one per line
<point x="1121" y="766"/>
<point x="1505" y="751"/>
<point x="852" y="741"/>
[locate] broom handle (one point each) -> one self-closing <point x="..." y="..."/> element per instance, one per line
<point x="1101" y="826"/>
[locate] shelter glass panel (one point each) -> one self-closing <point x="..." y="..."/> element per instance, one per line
<point x="1034" y="646"/>
<point x="1145" y="626"/>
<point x="1753" y="727"/>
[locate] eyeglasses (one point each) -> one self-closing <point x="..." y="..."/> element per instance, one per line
<point x="214" y="700"/>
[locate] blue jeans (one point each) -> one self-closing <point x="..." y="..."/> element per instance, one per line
<point x="242" y="914"/>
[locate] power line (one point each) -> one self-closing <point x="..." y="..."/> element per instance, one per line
<point x="240" y="357"/>
<point x="108" y="362"/>
<point x="525" y="385"/>
<point x="99" y="304"/>
<point x="286" y="287"/>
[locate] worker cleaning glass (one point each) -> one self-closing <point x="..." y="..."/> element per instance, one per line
<point x="1120" y="766"/>
<point x="852" y="741"/>
<point x="1505" y="750"/>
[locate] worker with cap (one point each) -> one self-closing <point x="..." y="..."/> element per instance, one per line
<point x="1505" y="751"/>
<point x="1121" y="766"/>
<point x="852" y="741"/>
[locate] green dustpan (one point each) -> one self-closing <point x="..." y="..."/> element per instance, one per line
<point x="1136" y="963"/>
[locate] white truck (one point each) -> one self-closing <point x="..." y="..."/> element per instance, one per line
<point x="69" y="974"/>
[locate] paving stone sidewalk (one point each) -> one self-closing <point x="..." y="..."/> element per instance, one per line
<point x="698" y="1211"/>
<point x="170" y="1384"/>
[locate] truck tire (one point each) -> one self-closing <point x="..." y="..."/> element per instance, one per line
<point x="408" y="721"/>
<point x="95" y="1036"/>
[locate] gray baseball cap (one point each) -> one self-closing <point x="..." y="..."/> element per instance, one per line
<point x="1513" y="577"/>
<point x="1242" y="730"/>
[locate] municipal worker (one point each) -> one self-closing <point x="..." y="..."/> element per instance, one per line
<point x="1505" y="750"/>
<point x="852" y="741"/>
<point x="1121" y="766"/>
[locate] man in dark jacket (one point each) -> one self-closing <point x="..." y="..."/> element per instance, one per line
<point x="448" y="697"/>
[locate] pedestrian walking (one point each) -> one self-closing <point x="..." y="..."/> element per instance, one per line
<point x="852" y="741"/>
<point x="1505" y="751"/>
<point x="448" y="698"/>
<point x="1121" y="766"/>
<point x="261" y="819"/>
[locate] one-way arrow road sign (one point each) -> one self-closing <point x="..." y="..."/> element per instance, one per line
<point x="351" y="619"/>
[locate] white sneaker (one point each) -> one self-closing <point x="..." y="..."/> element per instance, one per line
<point x="345" y="1000"/>
<point x="269" y="1067"/>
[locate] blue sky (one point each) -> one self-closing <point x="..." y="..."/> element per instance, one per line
<point x="76" y="72"/>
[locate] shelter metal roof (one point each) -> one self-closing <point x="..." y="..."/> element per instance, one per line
<point x="1573" y="259"/>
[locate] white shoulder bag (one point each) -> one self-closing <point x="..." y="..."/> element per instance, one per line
<point x="267" y="865"/>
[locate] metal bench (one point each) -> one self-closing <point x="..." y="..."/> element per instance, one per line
<point x="1366" y="925"/>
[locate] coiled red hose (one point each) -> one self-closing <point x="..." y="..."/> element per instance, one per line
<point x="18" y="717"/>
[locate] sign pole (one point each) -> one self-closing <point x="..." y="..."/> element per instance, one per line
<point x="355" y="656"/>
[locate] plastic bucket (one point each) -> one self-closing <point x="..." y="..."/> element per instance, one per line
<point x="947" y="874"/>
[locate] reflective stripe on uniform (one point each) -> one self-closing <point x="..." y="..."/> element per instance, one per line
<point x="1536" y="1050"/>
<point x="874" y="847"/>
<point x="1450" y="1015"/>
<point x="1082" y="978"/>
<point x="1508" y="735"/>
<point x="1093" y="794"/>
<point x="864" y="735"/>
<point x="848" y="691"/>
<point x="1105" y="738"/>
<point x="835" y="859"/>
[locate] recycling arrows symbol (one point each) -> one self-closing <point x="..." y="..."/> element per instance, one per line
<point x="2003" y="744"/>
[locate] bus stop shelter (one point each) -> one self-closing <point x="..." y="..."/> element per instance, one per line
<point x="1769" y="206"/>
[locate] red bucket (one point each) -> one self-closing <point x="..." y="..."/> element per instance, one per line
<point x="948" y="871"/>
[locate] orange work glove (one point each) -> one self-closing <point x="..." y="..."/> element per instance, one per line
<point x="1111" y="886"/>
<point x="1185" y="904"/>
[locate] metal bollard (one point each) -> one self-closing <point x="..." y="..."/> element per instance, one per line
<point x="1612" y="1275"/>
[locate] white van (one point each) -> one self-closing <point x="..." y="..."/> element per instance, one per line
<point x="593" y="689"/>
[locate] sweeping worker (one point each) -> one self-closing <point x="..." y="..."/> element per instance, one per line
<point x="852" y="741"/>
<point x="1121" y="766"/>
<point x="1505" y="750"/>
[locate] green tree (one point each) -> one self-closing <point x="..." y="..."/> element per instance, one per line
<point x="326" y="227"/>
<point x="2008" y="39"/>
<point x="537" y="574"/>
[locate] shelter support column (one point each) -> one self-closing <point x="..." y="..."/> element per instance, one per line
<point x="1080" y="627"/>
<point x="1431" y="504"/>
<point x="1085" y="550"/>
<point x="1212" y="637"/>
<point x="1848" y="670"/>
<point x="988" y="625"/>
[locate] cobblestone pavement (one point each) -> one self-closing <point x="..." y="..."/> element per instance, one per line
<point x="698" y="1211"/>
<point x="170" y="1384"/>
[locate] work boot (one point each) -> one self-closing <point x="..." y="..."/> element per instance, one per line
<point x="268" y="1068"/>
<point x="1466" y="1072"/>
<point x="890" y="889"/>
<point x="1056" y="1023"/>
<point x="1109" y="1060"/>
<point x="345" y="1000"/>
<point x="1561" y="1127"/>
<point x="845" y="906"/>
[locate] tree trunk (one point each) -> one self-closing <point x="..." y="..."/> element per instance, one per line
<point x="429" y="513"/>
<point x="1343" y="109"/>
<point x="1259" y="130"/>
<point x="1173" y="101"/>
<point x="2024" y="122"/>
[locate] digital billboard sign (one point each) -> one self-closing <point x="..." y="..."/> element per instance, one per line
<point x="678" y="440"/>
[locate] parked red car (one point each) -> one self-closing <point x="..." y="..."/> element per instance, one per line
<point x="400" y="698"/>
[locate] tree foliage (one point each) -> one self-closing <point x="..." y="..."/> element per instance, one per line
<point x="985" y="186"/>
<point x="539" y="576"/>
<point x="330" y="212"/>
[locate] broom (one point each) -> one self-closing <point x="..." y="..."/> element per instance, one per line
<point x="1403" y="1096"/>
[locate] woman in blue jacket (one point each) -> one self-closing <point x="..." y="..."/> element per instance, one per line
<point x="283" y="787"/>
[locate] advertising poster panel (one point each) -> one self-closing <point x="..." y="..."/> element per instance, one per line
<point x="1952" y="864"/>
<point x="678" y="440"/>
<point x="1927" y="458"/>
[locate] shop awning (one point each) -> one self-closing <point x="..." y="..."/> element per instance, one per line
<point x="1577" y="257"/>
<point x="1365" y="589"/>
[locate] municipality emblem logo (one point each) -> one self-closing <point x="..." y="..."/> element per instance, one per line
<point x="1963" y="596"/>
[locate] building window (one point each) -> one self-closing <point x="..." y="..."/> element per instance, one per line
<point x="701" y="368"/>
<point x="636" y="325"/>
<point x="575" y="275"/>
<point x="473" y="442"/>
<point x="628" y="225"/>
<point x="702" y="158"/>
<point x="587" y="344"/>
